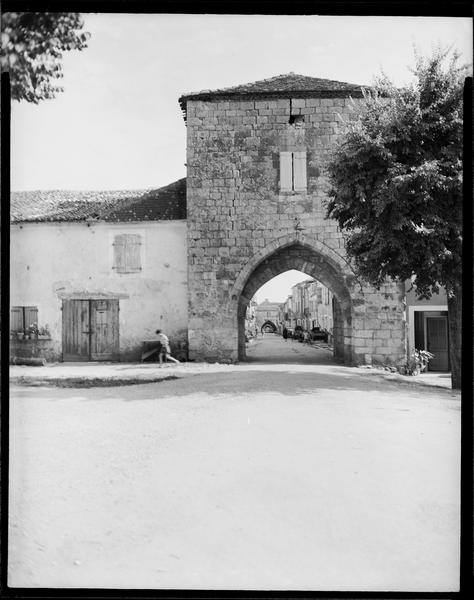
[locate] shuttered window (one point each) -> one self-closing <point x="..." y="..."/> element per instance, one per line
<point x="127" y="253"/>
<point x="293" y="172"/>
<point x="22" y="317"/>
<point x="299" y="171"/>
<point x="286" y="171"/>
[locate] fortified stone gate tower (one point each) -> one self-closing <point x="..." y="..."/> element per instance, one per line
<point x="255" y="192"/>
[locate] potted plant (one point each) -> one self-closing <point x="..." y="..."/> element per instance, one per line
<point x="418" y="362"/>
<point x="43" y="333"/>
<point x="33" y="331"/>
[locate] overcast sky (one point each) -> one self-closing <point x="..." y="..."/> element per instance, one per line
<point x="118" y="125"/>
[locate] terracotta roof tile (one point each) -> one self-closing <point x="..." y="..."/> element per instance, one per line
<point x="166" y="203"/>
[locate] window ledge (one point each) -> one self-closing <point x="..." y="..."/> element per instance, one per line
<point x="33" y="338"/>
<point x="293" y="193"/>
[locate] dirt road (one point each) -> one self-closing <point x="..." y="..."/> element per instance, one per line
<point x="276" y="477"/>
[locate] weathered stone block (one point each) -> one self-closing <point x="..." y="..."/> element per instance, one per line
<point x="298" y="103"/>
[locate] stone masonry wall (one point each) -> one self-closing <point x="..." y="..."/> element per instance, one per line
<point x="237" y="217"/>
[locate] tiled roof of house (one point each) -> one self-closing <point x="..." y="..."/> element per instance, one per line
<point x="166" y="203"/>
<point x="282" y="86"/>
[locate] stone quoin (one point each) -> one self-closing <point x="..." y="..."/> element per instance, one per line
<point x="256" y="189"/>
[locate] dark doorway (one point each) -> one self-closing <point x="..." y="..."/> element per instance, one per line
<point x="437" y="342"/>
<point x="90" y="330"/>
<point x="431" y="333"/>
<point x="268" y="327"/>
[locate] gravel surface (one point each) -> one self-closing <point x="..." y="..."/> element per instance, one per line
<point x="303" y="476"/>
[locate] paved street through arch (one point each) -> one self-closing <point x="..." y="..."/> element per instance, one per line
<point x="272" y="348"/>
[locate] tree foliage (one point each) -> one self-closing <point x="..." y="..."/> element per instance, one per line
<point x="396" y="178"/>
<point x="32" y="50"/>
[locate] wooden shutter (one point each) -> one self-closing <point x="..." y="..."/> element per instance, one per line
<point x="16" y="319"/>
<point x="119" y="253"/>
<point x="132" y="253"/>
<point x="127" y="255"/>
<point x="31" y="316"/>
<point x="299" y="171"/>
<point x="286" y="172"/>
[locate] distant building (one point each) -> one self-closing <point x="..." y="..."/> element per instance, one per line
<point x="267" y="316"/>
<point x="320" y="308"/>
<point x="309" y="306"/>
<point x="250" y="320"/>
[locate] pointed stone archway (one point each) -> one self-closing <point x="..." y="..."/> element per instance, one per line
<point x="268" y="324"/>
<point x="315" y="260"/>
<point x="368" y="323"/>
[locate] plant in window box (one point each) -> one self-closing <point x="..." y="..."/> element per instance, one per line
<point x="43" y="333"/>
<point x="32" y="331"/>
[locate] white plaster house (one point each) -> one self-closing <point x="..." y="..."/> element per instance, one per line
<point x="98" y="273"/>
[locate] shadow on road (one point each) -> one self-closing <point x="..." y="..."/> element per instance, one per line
<point x="274" y="379"/>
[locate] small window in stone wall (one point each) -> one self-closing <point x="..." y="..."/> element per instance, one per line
<point x="127" y="253"/>
<point x="293" y="172"/>
<point x="297" y="120"/>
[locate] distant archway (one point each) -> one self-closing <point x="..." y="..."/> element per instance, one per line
<point x="268" y="327"/>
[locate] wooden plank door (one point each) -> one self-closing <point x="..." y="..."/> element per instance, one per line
<point x="104" y="329"/>
<point x="76" y="327"/>
<point x="437" y="342"/>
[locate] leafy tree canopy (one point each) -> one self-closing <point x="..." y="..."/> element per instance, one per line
<point x="32" y="49"/>
<point x="396" y="178"/>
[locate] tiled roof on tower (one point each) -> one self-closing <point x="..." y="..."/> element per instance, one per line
<point x="282" y="86"/>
